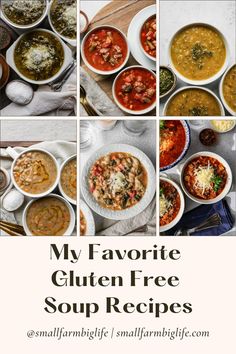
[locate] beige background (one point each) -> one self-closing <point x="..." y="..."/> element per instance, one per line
<point x="206" y="271"/>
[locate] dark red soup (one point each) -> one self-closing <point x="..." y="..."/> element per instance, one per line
<point x="135" y="89"/>
<point x="148" y="36"/>
<point x="172" y="141"/>
<point x="105" y="49"/>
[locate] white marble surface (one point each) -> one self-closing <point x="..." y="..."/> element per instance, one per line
<point x="225" y="147"/>
<point x="176" y="14"/>
<point x="146" y="142"/>
<point x="38" y="130"/>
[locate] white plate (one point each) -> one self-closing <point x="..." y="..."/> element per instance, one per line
<point x="90" y="224"/>
<point x="133" y="36"/>
<point x="129" y="212"/>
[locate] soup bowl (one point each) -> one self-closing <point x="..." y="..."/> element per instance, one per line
<point x="214" y="76"/>
<point x="120" y="80"/>
<point x="180" y="212"/>
<point x="101" y="68"/>
<point x="219" y="159"/>
<point x="221" y="87"/>
<point x="67" y="57"/>
<point x="89" y="220"/>
<point x="220" y="107"/>
<point x="141" y="40"/>
<point x="27" y="26"/>
<point x="64" y="217"/>
<point x="60" y="184"/>
<point x="43" y="168"/>
<point x="185" y="149"/>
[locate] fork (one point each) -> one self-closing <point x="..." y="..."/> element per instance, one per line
<point x="213" y="221"/>
<point x="83" y="100"/>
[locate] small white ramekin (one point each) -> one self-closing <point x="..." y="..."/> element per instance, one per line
<point x="73" y="201"/>
<point x="92" y="68"/>
<point x="210" y="79"/>
<point x="71" y="211"/>
<point x="15" y="156"/>
<point x="129" y="111"/>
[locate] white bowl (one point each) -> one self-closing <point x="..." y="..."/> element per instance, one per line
<point x="67" y="59"/>
<point x="140" y="43"/>
<point x="15" y="155"/>
<point x="129" y="111"/>
<point x="104" y="72"/>
<point x="129" y="212"/>
<point x="27" y="27"/>
<point x="72" y="42"/>
<point x="194" y="88"/>
<point x="73" y="201"/>
<point x="228" y="182"/>
<point x="221" y="91"/>
<point x="90" y="224"/>
<point x="71" y="226"/>
<point x="210" y="79"/>
<point x="182" y="205"/>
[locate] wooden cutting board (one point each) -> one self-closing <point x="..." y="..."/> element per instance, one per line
<point x="119" y="14"/>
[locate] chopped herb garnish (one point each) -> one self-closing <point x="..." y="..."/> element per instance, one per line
<point x="162" y="124"/>
<point x="217" y="180"/>
<point x="198" y="111"/>
<point x="166" y="80"/>
<point x="198" y="53"/>
<point x="161" y="191"/>
<point x="137" y="197"/>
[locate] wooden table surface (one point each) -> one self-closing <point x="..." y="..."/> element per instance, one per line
<point x="119" y="14"/>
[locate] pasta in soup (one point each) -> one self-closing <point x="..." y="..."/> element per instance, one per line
<point x="118" y="181"/>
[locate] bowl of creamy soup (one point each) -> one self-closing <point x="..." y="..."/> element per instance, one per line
<point x="228" y="89"/>
<point x="68" y="179"/>
<point x="34" y="172"/>
<point x="49" y="216"/>
<point x="193" y="102"/>
<point x="24" y="14"/>
<point x="198" y="53"/>
<point x="63" y="19"/>
<point x="39" y="56"/>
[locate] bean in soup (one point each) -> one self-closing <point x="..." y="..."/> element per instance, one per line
<point x="198" y="52"/>
<point x="69" y="179"/>
<point x="229" y="88"/>
<point x="105" y="49"/>
<point x="35" y="172"/>
<point x="148" y="36"/>
<point x="135" y="89"/>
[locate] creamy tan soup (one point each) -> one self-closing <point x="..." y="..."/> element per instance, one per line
<point x="198" y="52"/>
<point x="193" y="102"/>
<point x="35" y="172"/>
<point x="229" y="88"/>
<point x="68" y="179"/>
<point x="48" y="216"/>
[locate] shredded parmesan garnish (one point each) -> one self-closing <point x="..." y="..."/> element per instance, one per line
<point x="203" y="177"/>
<point x="69" y="16"/>
<point x="117" y="182"/>
<point x="165" y="205"/>
<point x="223" y="125"/>
<point x="39" y="57"/>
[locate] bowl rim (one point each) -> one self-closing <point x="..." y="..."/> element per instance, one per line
<point x="233" y="126"/>
<point x="194" y="88"/>
<point x="32" y="25"/>
<point x="65" y="196"/>
<point x="104" y="72"/>
<point x="71" y="41"/>
<point x="182" y="204"/>
<point x="140" y="112"/>
<point x="39" y="195"/>
<point x="212" y="78"/>
<point x="229" y="109"/>
<point x="128" y="212"/>
<point x="175" y="80"/>
<point x="67" y="57"/>
<point x="186" y="147"/>
<point x="71" y="211"/>
<point x="140" y="43"/>
<point x="90" y="223"/>
<point x="227" y="185"/>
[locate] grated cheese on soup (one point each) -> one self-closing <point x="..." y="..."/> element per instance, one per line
<point x="203" y="177"/>
<point x="39" y="57"/>
<point x="165" y="205"/>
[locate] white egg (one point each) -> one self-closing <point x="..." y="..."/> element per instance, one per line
<point x="13" y="200"/>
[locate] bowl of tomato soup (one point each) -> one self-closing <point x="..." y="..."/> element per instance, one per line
<point x="206" y="177"/>
<point x="134" y="90"/>
<point x="105" y="50"/>
<point x="148" y="37"/>
<point x="174" y="142"/>
<point x="171" y="204"/>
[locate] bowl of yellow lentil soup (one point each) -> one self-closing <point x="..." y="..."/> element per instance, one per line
<point x="198" y="53"/>
<point x="191" y="101"/>
<point x="228" y="89"/>
<point x="34" y="172"/>
<point x="68" y="179"/>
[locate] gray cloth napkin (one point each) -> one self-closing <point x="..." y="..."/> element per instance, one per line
<point x="143" y="224"/>
<point x="97" y="98"/>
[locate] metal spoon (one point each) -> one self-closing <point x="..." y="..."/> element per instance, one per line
<point x="213" y="221"/>
<point x="83" y="100"/>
